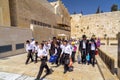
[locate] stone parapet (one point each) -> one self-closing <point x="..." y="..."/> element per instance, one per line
<point x="105" y="72"/>
<point x="108" y="60"/>
<point x="119" y="55"/>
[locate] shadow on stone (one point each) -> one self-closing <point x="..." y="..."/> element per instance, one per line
<point x="4" y="58"/>
<point x="115" y="70"/>
<point x="42" y="78"/>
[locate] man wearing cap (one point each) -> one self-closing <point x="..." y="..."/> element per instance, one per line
<point x="83" y="48"/>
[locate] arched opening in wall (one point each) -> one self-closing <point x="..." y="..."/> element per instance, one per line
<point x="13" y="12"/>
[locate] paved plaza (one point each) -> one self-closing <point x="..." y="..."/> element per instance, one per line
<point x="13" y="68"/>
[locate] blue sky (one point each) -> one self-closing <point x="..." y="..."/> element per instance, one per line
<point x="89" y="6"/>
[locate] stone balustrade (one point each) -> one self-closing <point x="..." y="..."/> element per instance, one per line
<point x="108" y="60"/>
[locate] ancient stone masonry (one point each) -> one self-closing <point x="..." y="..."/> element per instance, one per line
<point x="41" y="14"/>
<point x="102" y="25"/>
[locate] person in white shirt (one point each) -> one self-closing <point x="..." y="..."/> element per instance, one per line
<point x="36" y="51"/>
<point x="46" y="47"/>
<point x="33" y="45"/>
<point x="49" y="44"/>
<point x="29" y="51"/>
<point x="42" y="54"/>
<point x="67" y="51"/>
<point x="92" y="50"/>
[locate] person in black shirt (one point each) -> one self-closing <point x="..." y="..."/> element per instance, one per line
<point x="59" y="50"/>
<point x="52" y="49"/>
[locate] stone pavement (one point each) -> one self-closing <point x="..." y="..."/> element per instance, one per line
<point x="13" y="68"/>
<point x="12" y="76"/>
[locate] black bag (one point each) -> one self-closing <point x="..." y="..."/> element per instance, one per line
<point x="71" y="68"/>
<point x="67" y="61"/>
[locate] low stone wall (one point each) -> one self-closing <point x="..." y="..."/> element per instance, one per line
<point x="12" y="40"/>
<point x="108" y="60"/>
<point x="119" y="55"/>
<point x="110" y="42"/>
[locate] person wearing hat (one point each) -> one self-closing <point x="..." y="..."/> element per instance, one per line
<point x="83" y="48"/>
<point x="92" y="50"/>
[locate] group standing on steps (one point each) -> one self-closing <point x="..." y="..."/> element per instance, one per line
<point x="62" y="52"/>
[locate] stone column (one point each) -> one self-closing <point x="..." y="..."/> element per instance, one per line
<point x="119" y="55"/>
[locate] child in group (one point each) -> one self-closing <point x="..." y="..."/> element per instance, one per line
<point x="42" y="54"/>
<point x="36" y="51"/>
<point x="29" y="51"/>
<point x="74" y="49"/>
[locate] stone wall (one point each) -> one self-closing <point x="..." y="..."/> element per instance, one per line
<point x="38" y="15"/>
<point x="45" y="33"/>
<point x="27" y="10"/>
<point x="4" y="13"/>
<point x="62" y="14"/>
<point x="98" y="24"/>
<point x="119" y="55"/>
<point x="12" y="40"/>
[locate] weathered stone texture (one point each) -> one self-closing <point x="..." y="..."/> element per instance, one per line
<point x="4" y="13"/>
<point x="13" y="36"/>
<point x="33" y="10"/>
<point x="98" y="24"/>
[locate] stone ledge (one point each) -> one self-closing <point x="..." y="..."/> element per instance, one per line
<point x="107" y="75"/>
<point x="108" y="60"/>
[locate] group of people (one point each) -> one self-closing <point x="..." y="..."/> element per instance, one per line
<point x="64" y="50"/>
<point x="88" y="47"/>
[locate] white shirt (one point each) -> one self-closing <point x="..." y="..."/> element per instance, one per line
<point x="28" y="47"/>
<point x="33" y="43"/>
<point x="84" y="45"/>
<point x="46" y="47"/>
<point x="49" y="46"/>
<point x="33" y="46"/>
<point x="36" y="48"/>
<point x="67" y="49"/>
<point x="93" y="46"/>
<point x="61" y="46"/>
<point x="42" y="52"/>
